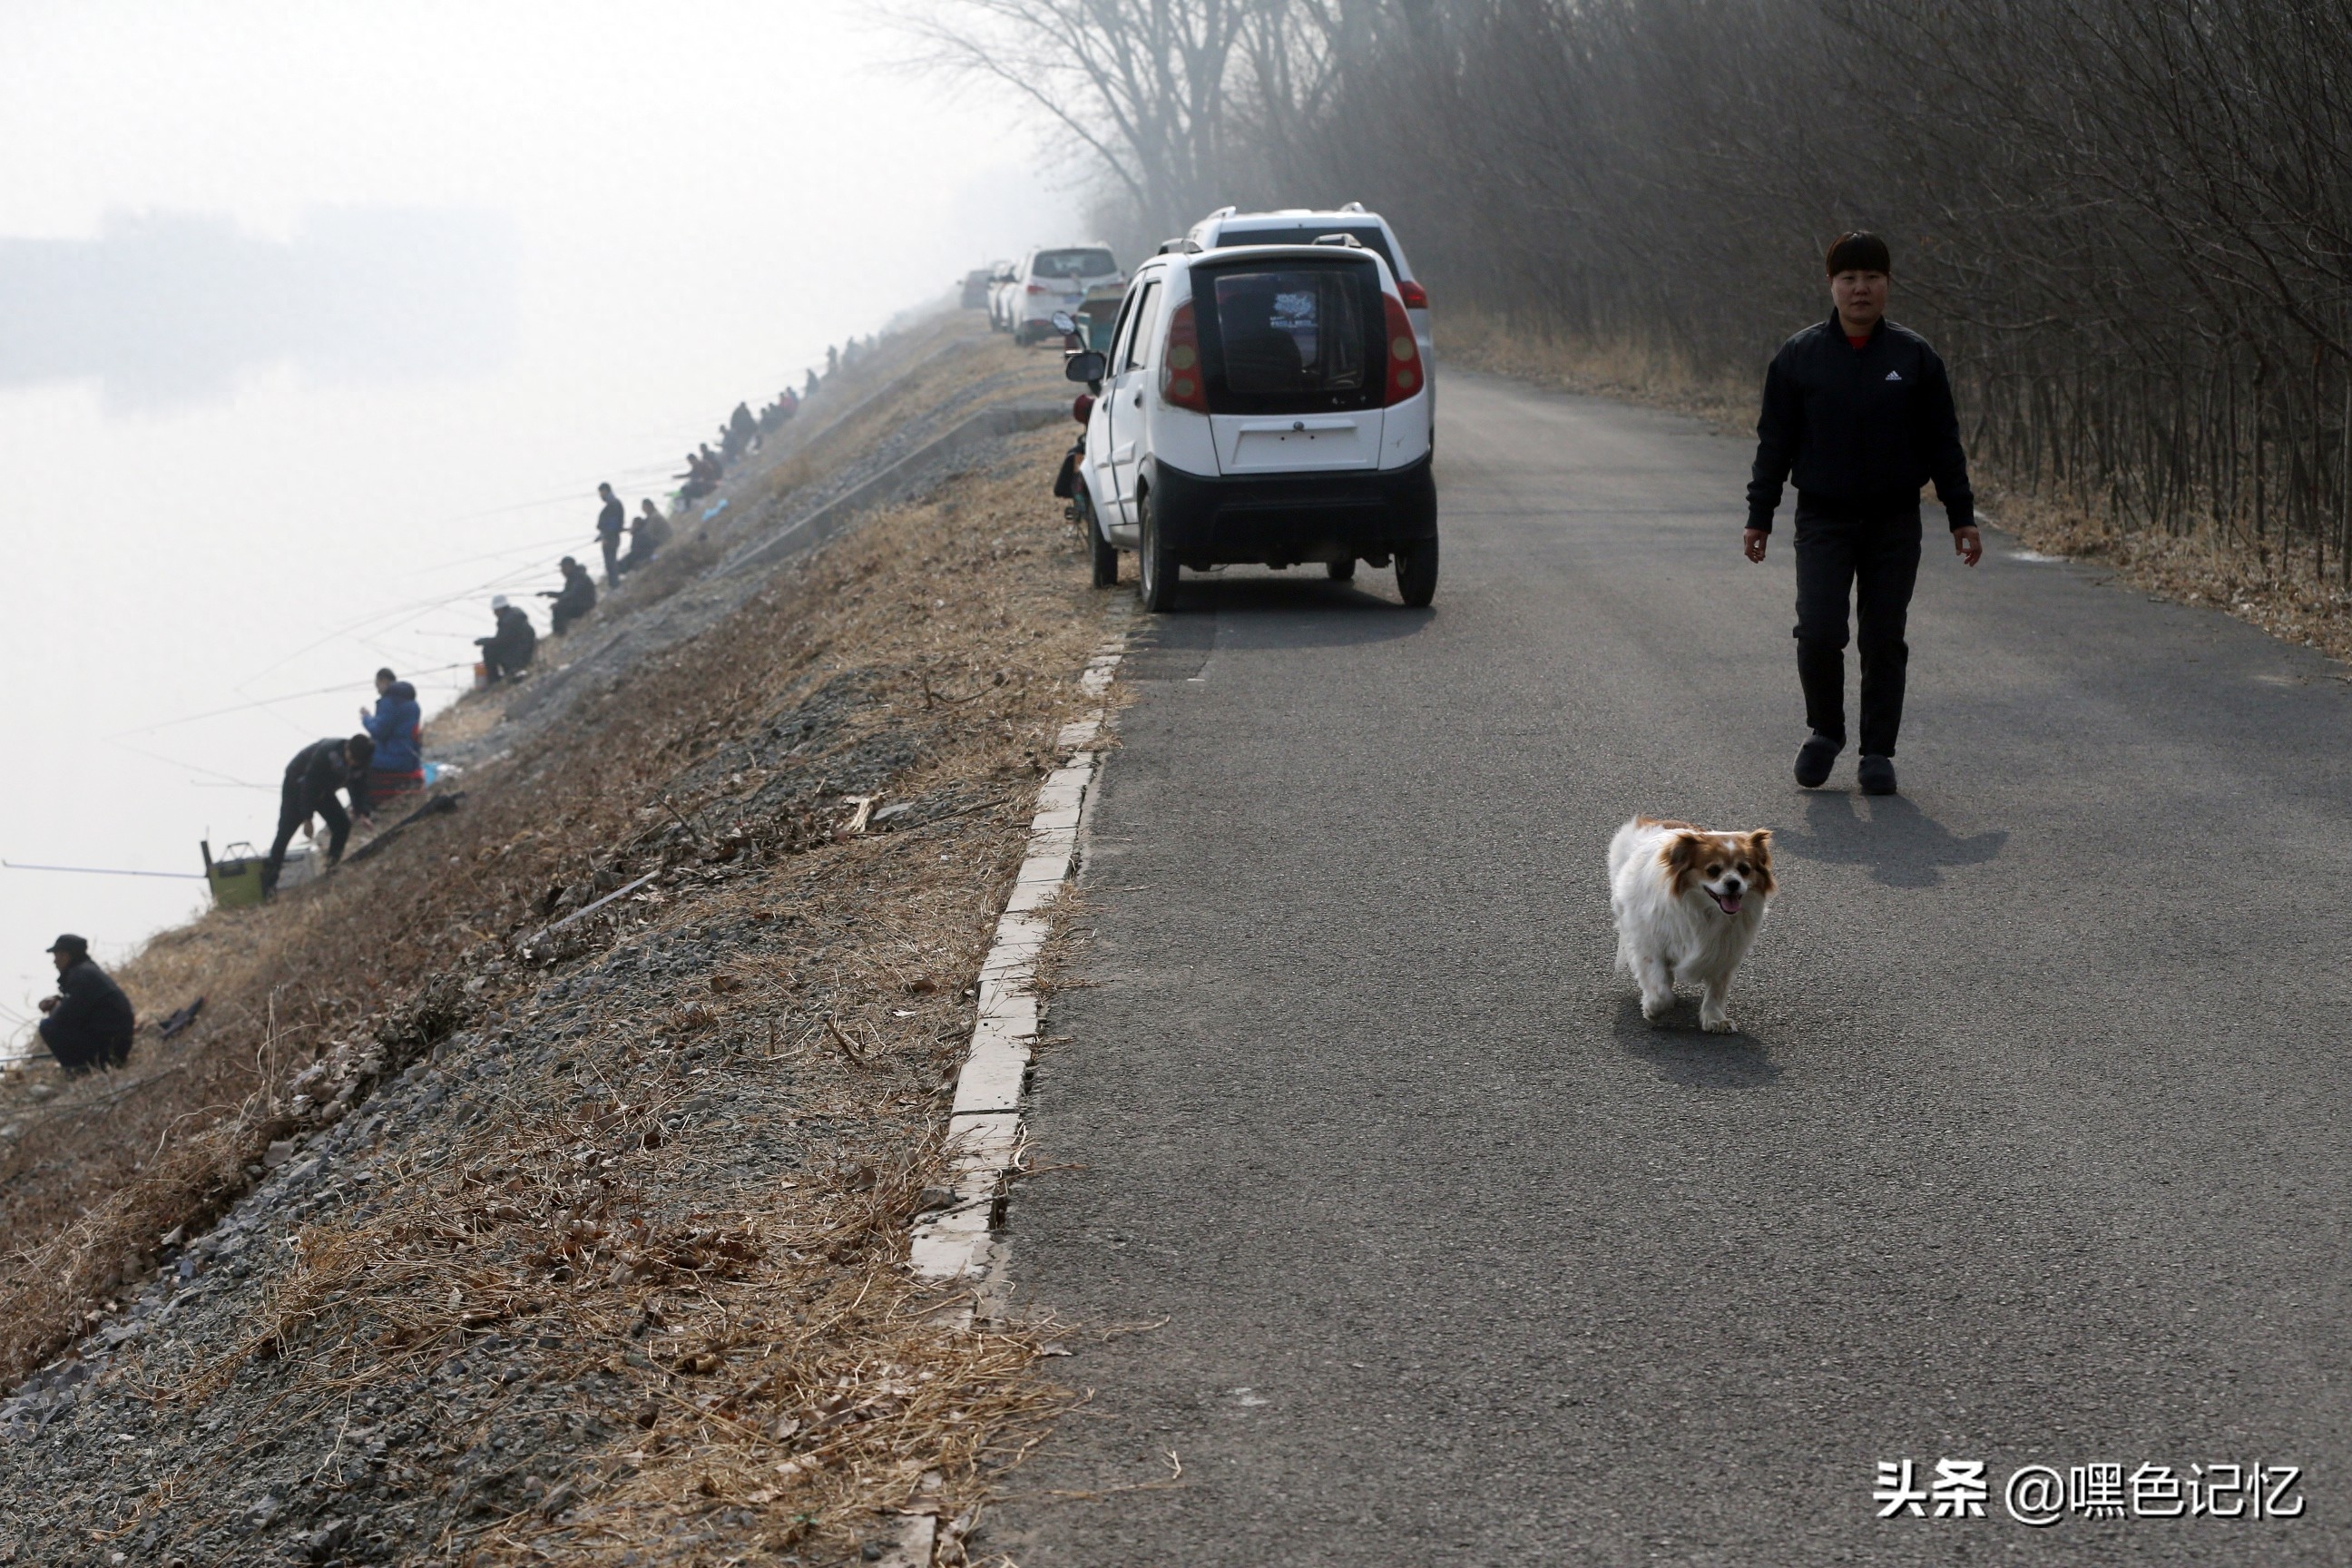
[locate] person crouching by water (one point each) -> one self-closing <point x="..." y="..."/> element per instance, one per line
<point x="574" y="600"/>
<point x="316" y="772"/>
<point x="89" y="1023"/>
<point x="397" y="728"/>
<point x="506" y="652"/>
<point x="648" y="532"/>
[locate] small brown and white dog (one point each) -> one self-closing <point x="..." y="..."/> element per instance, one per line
<point x="1687" y="903"/>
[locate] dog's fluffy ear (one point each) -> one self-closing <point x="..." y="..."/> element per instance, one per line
<point x="1760" y="850"/>
<point x="1680" y="857"/>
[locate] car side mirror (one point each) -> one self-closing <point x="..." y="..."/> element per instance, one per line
<point x="1063" y="323"/>
<point x="1087" y="365"/>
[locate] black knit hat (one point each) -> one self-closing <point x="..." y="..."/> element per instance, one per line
<point x="1859" y="250"/>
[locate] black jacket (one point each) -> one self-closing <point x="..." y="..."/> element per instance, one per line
<point x="577" y="598"/>
<point x="93" y="1020"/>
<point x="611" y="521"/>
<point x="316" y="772"/>
<point x="1858" y="427"/>
<point x="515" y="642"/>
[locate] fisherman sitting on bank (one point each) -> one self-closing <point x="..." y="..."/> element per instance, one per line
<point x="506" y="652"/>
<point x="648" y="532"/>
<point x="89" y="1023"/>
<point x="397" y="728"/>
<point x="574" y="599"/>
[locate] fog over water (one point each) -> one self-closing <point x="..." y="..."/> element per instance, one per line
<point x="319" y="325"/>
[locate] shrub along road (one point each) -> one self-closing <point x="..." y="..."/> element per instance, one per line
<point x="2029" y="1150"/>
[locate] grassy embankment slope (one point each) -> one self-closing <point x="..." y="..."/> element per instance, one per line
<point x="588" y="1246"/>
<point x="2281" y="595"/>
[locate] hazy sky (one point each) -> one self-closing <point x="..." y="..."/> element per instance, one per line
<point x="319" y="323"/>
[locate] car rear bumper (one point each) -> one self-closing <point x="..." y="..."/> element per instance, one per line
<point x="1282" y="520"/>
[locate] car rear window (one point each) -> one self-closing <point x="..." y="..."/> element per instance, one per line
<point x="1370" y="235"/>
<point x="1073" y="264"/>
<point x="1291" y="338"/>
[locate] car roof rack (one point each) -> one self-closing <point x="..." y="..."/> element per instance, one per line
<point x="1348" y="240"/>
<point x="1187" y="246"/>
<point x="1354" y="208"/>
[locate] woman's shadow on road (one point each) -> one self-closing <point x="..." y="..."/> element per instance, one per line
<point x="1901" y="846"/>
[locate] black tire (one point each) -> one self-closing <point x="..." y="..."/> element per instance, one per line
<point x="1416" y="569"/>
<point x="1100" y="551"/>
<point x="1155" y="563"/>
<point x="1341" y="570"/>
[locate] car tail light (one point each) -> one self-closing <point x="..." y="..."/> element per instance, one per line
<point x="1039" y="288"/>
<point x="1084" y="408"/>
<point x="1180" y="363"/>
<point x="1416" y="297"/>
<point x="1406" y="377"/>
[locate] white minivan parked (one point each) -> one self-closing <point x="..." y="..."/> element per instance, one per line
<point x="1266" y="405"/>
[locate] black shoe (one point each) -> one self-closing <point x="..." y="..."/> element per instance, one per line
<point x="1877" y="775"/>
<point x="1813" y="759"/>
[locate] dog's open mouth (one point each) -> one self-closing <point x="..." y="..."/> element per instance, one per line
<point x="1727" y="903"/>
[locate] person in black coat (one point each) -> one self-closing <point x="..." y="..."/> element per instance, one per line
<point x="316" y="772"/>
<point x="574" y="600"/>
<point x="508" y="652"/>
<point x="1859" y="412"/>
<point x="611" y="524"/>
<point x="89" y="1023"/>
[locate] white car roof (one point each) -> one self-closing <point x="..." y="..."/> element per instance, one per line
<point x="1226" y="252"/>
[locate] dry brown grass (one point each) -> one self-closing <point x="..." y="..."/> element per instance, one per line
<point x="969" y="615"/>
<point x="1524" y="351"/>
<point x="2286" y="594"/>
<point x="96" y="1175"/>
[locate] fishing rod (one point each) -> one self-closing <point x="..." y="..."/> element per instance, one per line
<point x="103" y="872"/>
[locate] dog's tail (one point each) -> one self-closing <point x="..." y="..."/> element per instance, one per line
<point x="1621" y="847"/>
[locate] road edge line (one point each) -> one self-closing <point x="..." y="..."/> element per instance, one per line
<point x="960" y="1242"/>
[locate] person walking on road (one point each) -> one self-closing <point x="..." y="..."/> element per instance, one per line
<point x="316" y="772"/>
<point x="611" y="524"/>
<point x="89" y="1023"/>
<point x="1859" y="411"/>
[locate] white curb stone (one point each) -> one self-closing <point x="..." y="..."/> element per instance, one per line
<point x="984" y="1132"/>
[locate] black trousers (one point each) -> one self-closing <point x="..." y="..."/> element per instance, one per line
<point x="1870" y="556"/>
<point x="611" y="543"/>
<point x="292" y="815"/>
<point x="77" y="1051"/>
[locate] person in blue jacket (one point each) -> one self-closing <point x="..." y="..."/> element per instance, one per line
<point x="397" y="728"/>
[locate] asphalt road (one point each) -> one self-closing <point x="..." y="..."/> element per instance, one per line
<point x="2031" y="1149"/>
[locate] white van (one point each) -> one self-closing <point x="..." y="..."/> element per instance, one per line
<point x="1262" y="404"/>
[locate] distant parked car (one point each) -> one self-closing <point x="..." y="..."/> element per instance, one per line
<point x="1304" y="225"/>
<point x="975" y="287"/>
<point x="1052" y="279"/>
<point x="1265" y="405"/>
<point x="1000" y="293"/>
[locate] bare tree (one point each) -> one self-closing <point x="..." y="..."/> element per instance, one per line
<point x="1141" y="86"/>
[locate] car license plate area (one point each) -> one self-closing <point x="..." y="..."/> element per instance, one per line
<point x="1265" y="448"/>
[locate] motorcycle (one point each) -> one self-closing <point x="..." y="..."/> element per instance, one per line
<point x="1080" y="363"/>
